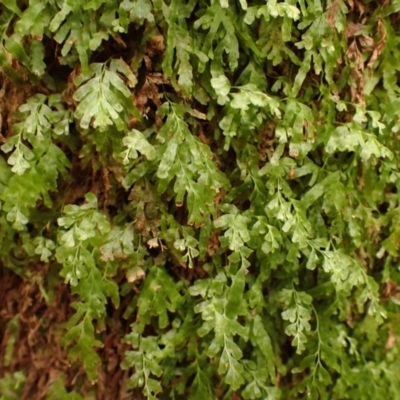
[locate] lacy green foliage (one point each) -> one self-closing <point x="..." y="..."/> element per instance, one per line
<point x="251" y="199"/>
<point x="11" y="385"/>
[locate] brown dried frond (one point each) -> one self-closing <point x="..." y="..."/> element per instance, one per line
<point x="331" y="14"/>
<point x="357" y="90"/>
<point x="357" y="4"/>
<point x="379" y="45"/>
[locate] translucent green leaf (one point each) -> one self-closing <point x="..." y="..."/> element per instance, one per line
<point x="82" y="335"/>
<point x="235" y="294"/>
<point x="232" y="368"/>
<point x="60" y="17"/>
<point x="37" y="54"/>
<point x="167" y="160"/>
<point x="28" y="18"/>
<point x="221" y="86"/>
<point x="135" y="141"/>
<point x="12" y="5"/>
<point x="14" y="45"/>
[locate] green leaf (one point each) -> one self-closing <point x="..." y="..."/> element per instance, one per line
<point x="235" y="294"/>
<point x="167" y="160"/>
<point x="103" y="100"/>
<point x="37" y="54"/>
<point x="319" y="189"/>
<point x="298" y="314"/>
<point x="25" y="23"/>
<point x="230" y="366"/>
<point x="59" y="17"/>
<point x="222" y="88"/>
<point x="12" y="5"/>
<point x="135" y="141"/>
<point x="82" y="335"/>
<point x="259" y="336"/>
<point x="13" y="44"/>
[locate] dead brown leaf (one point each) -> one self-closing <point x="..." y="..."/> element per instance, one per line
<point x="366" y="42"/>
<point x="134" y="274"/>
<point x="389" y="288"/>
<point x="391" y="341"/>
<point x="153" y="243"/>
<point x="352" y="29"/>
<point x="331" y="14"/>
<point x="213" y="244"/>
<point x="156" y="45"/>
<point x="356" y="4"/>
<point x="379" y="45"/>
<point x="357" y="75"/>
